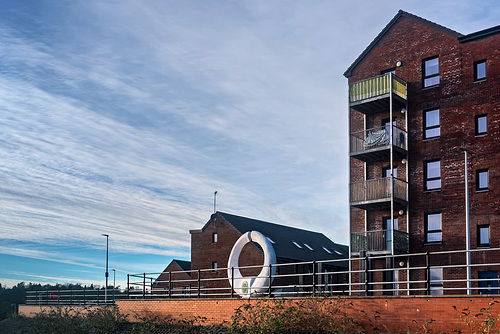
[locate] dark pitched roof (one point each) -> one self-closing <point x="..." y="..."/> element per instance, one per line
<point x="283" y="238"/>
<point x="400" y="14"/>
<point x="185" y="265"/>
<point x="479" y="34"/>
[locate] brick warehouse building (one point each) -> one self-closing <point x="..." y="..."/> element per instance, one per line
<point x="212" y="245"/>
<point x="441" y="92"/>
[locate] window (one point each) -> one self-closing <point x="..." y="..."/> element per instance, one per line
<point x="488" y="280"/>
<point x="431" y="124"/>
<point x="433" y="232"/>
<point x="482" y="179"/>
<point x="390" y="70"/>
<point x="480" y="70"/>
<point x="214" y="266"/>
<point x="326" y="250"/>
<point x="432" y="175"/>
<point x="431" y="72"/>
<point x="483" y="235"/>
<point x="386" y="172"/>
<point x="481" y="125"/>
<point x="296" y="244"/>
<point x="214" y="238"/>
<point x="308" y="247"/>
<point x="271" y="240"/>
<point x="436" y="281"/>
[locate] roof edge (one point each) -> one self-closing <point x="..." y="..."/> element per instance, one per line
<point x="401" y="13"/>
<point x="479" y="34"/>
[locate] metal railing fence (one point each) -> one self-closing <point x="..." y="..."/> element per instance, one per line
<point x="403" y="274"/>
<point x="86" y="297"/>
<point x="429" y="273"/>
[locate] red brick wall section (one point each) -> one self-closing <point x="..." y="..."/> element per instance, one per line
<point x="373" y="314"/>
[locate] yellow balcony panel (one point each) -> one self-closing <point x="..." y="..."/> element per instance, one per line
<point x="373" y="95"/>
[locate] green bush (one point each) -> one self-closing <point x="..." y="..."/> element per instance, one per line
<point x="290" y="316"/>
<point x="61" y="320"/>
<point x="67" y="320"/>
<point x="106" y="320"/>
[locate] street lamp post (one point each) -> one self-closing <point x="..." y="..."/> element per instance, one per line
<point x="467" y="218"/>
<point x="106" y="274"/>
<point x="114" y="284"/>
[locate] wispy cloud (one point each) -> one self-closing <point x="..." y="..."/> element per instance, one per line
<point x="125" y="117"/>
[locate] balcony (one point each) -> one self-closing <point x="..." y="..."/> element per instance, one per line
<point x="373" y="95"/>
<point x="379" y="242"/>
<point x="376" y="194"/>
<point x="374" y="144"/>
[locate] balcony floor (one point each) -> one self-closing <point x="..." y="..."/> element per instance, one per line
<point x="378" y="204"/>
<point x="378" y="104"/>
<point x="381" y="153"/>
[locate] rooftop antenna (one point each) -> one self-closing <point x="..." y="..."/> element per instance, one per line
<point x="215" y="201"/>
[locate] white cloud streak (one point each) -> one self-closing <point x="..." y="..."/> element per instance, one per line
<point x="124" y="117"/>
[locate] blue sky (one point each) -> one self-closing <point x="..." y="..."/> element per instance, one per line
<point x="123" y="117"/>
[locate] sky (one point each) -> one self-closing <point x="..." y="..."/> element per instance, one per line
<point x="123" y="117"/>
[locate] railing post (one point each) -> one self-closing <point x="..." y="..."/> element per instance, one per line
<point x="98" y="296"/>
<point x="151" y="286"/>
<point x="367" y="264"/>
<point x="144" y="287"/>
<point x="232" y="282"/>
<point x="314" y="278"/>
<point x="128" y="286"/>
<point x="170" y="284"/>
<point x="270" y="279"/>
<point x="199" y="283"/>
<point x="427" y="274"/>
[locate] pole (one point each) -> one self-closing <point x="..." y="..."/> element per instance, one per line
<point x="106" y="274"/>
<point x="215" y="201"/>
<point x="467" y="219"/>
<point x="114" y="285"/>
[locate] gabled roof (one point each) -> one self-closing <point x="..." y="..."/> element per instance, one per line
<point x="314" y="246"/>
<point x="400" y="14"/>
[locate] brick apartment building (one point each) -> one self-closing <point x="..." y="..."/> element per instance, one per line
<point x="440" y="90"/>
<point x="211" y="247"/>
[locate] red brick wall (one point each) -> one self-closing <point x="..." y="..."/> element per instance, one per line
<point x="373" y="314"/>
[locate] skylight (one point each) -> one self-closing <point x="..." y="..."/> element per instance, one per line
<point x="309" y="247"/>
<point x="296" y="244"/>
<point x="327" y="250"/>
<point x="336" y="251"/>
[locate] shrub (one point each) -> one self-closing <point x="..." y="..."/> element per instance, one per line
<point x="483" y="322"/>
<point x="61" y="320"/>
<point x="106" y="320"/>
<point x="289" y="316"/>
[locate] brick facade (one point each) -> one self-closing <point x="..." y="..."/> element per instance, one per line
<point x="410" y="40"/>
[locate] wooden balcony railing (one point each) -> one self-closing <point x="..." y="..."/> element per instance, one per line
<point x="379" y="241"/>
<point x="377" y="86"/>
<point x="378" y="189"/>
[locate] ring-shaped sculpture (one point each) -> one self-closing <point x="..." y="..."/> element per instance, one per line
<point x="248" y="286"/>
